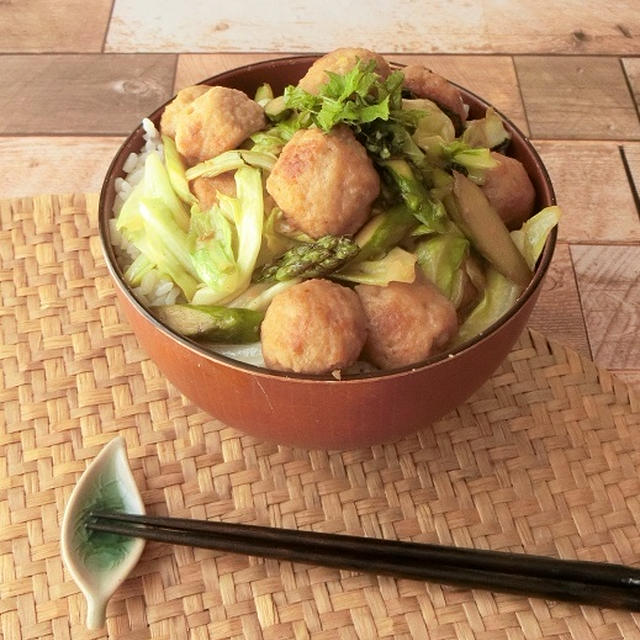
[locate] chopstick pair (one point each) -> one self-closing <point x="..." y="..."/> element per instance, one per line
<point x="602" y="584"/>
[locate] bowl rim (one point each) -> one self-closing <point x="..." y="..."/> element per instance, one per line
<point x="115" y="271"/>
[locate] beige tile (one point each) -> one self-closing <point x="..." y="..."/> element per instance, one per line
<point x="39" y="165"/>
<point x="609" y="285"/>
<point x="33" y="26"/>
<point x="558" y="314"/>
<point x="81" y="94"/>
<point x="577" y="97"/>
<point x="456" y="26"/>
<point x="593" y="190"/>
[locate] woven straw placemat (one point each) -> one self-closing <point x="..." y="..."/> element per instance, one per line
<point x="543" y="459"/>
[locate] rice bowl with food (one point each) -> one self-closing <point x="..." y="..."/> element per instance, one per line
<point x="364" y="178"/>
<point x="407" y="279"/>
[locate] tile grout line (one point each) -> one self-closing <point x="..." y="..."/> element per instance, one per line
<point x="629" y="174"/>
<point x="175" y="74"/>
<point x="520" y="93"/>
<point x="627" y="79"/>
<point x="107" y="27"/>
<point x="581" y="304"/>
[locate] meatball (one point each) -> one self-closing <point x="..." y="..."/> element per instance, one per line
<point x="314" y="327"/>
<point x="340" y="61"/>
<point x="407" y="322"/>
<point x="324" y="182"/>
<point x="206" y="189"/>
<point x="510" y="190"/>
<point x="426" y="84"/>
<point x="216" y="121"/>
<point x="183" y="98"/>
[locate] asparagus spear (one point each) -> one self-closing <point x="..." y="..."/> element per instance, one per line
<point x="212" y="323"/>
<point x="309" y="260"/>
<point x="472" y="212"/>
<point x="415" y="195"/>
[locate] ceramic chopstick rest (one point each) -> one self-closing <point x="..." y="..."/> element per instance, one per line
<point x="99" y="562"/>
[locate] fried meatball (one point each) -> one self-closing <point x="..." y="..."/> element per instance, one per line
<point x="206" y="189"/>
<point x="183" y="98"/>
<point x="426" y="84"/>
<point x="216" y="121"/>
<point x="510" y="190"/>
<point x="324" y="182"/>
<point x="340" y="61"/>
<point x="407" y="322"/>
<point x="314" y="327"/>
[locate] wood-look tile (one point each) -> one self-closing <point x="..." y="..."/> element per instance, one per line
<point x="609" y="285"/>
<point x="558" y="313"/>
<point x="593" y="190"/>
<point x="577" y="97"/>
<point x="86" y="94"/>
<point x="457" y="26"/>
<point x="35" y="165"/>
<point x="632" y="69"/>
<point x="35" y="26"/>
<point x="194" y="68"/>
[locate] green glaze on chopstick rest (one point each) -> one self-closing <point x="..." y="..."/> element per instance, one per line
<point x="99" y="562"/>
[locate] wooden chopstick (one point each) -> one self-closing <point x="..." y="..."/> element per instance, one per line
<point x="602" y="584"/>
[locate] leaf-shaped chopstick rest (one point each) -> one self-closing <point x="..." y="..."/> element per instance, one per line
<point x="100" y="562"/>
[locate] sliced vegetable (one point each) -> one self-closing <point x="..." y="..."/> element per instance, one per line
<point x="531" y="237"/>
<point x="310" y="260"/>
<point x="397" y="266"/>
<point x="225" y="255"/>
<point x="274" y="241"/>
<point x="229" y="161"/>
<point x="263" y="94"/>
<point x="474" y="162"/>
<point x="212" y="323"/>
<point x="260" y="299"/>
<point x="471" y="211"/>
<point x="434" y="127"/>
<point x="276" y="109"/>
<point x="383" y="232"/>
<point x="157" y="186"/>
<point x="500" y="294"/>
<point x="488" y="132"/>
<point x="176" y="171"/>
<point x="137" y="270"/>
<point x="441" y="258"/>
<point x="153" y="219"/>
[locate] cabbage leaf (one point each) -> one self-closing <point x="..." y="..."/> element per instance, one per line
<point x="227" y="240"/>
<point x="397" y="266"/>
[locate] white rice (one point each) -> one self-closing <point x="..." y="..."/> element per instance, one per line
<point x="155" y="288"/>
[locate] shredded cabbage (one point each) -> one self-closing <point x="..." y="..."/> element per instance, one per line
<point x="225" y="254"/>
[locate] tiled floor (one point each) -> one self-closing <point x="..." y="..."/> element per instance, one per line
<point x="78" y="76"/>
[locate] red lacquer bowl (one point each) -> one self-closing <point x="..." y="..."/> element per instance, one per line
<point x="312" y="411"/>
